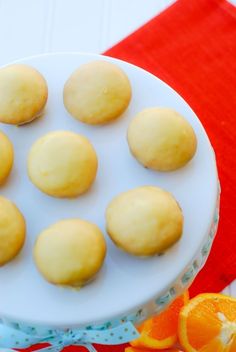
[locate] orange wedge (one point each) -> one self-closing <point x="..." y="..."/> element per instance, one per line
<point x="133" y="349"/>
<point x="208" y="324"/>
<point x="160" y="332"/>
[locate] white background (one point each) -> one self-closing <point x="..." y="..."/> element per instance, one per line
<point x="29" y="27"/>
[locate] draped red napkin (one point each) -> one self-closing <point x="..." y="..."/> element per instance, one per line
<point x="192" y="47"/>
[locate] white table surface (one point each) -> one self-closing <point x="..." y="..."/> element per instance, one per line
<point x="30" y="27"/>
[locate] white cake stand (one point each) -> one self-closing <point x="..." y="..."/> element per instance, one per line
<point x="127" y="288"/>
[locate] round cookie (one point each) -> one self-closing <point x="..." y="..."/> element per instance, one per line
<point x="6" y="157"/>
<point x="70" y="252"/>
<point x="97" y="92"/>
<point x="62" y="164"/>
<point x="161" y="139"/>
<point x="12" y="230"/>
<point x="23" y="96"/>
<point x="144" y="221"/>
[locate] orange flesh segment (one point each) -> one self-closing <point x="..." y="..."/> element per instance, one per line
<point x="165" y="324"/>
<point x="228" y="307"/>
<point x="232" y="346"/>
<point x="161" y="331"/>
<point x="213" y="346"/>
<point x="133" y="349"/>
<point x="208" y="324"/>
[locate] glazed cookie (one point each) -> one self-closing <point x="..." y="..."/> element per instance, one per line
<point x="12" y="230"/>
<point x="97" y="92"/>
<point x="161" y="139"/>
<point x="6" y="157"/>
<point x="144" y="221"/>
<point x="62" y="164"/>
<point x="70" y="252"/>
<point x="23" y="94"/>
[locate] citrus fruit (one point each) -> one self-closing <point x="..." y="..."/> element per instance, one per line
<point x="161" y="331"/>
<point x="134" y="349"/>
<point x="208" y="324"/>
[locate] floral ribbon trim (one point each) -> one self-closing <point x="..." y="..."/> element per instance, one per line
<point x="13" y="338"/>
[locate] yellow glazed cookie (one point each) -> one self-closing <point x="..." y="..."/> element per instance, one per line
<point x="70" y="252"/>
<point x="161" y="139"/>
<point x="6" y="157"/>
<point x="12" y="230"/>
<point x="62" y="164"/>
<point x="97" y="92"/>
<point x="144" y="221"/>
<point x="23" y="94"/>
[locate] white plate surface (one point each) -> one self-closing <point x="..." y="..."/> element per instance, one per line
<point x="125" y="282"/>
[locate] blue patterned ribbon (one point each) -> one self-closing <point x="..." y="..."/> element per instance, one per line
<point x="14" y="338"/>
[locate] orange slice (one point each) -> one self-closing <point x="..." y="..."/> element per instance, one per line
<point x="134" y="349"/>
<point x="208" y="324"/>
<point x="161" y="331"/>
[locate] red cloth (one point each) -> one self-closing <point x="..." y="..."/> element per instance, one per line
<point x="192" y="47"/>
